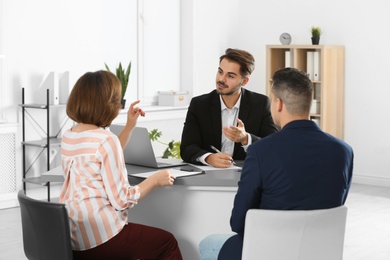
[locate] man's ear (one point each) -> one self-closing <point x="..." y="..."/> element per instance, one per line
<point x="244" y="81"/>
<point x="280" y="104"/>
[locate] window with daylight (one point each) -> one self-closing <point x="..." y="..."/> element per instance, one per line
<point x="151" y="30"/>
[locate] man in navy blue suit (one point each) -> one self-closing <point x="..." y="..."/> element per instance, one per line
<point x="229" y="118"/>
<point x="299" y="168"/>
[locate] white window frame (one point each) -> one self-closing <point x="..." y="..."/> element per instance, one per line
<point x="162" y="72"/>
<point x="2" y="21"/>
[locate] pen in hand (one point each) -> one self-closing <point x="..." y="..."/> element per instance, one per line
<point x="215" y="149"/>
<point x="218" y="151"/>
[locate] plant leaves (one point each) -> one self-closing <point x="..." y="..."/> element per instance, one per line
<point x="154" y="135"/>
<point x="122" y="76"/>
<point x="166" y="153"/>
<point x="107" y="68"/>
<point x="173" y="149"/>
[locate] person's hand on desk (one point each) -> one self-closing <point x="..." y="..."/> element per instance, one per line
<point x="159" y="179"/>
<point x="219" y="160"/>
<point x="163" y="178"/>
<point x="236" y="133"/>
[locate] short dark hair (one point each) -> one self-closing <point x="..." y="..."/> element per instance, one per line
<point x="294" y="88"/>
<point x="244" y="58"/>
<point x="95" y="99"/>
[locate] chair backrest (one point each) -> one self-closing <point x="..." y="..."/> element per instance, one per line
<point x="295" y="234"/>
<point x="45" y="226"/>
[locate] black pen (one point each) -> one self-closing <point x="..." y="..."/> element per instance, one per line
<point x="218" y="151"/>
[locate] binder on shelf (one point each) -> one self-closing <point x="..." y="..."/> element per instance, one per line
<point x="56" y="92"/>
<point x="64" y="87"/>
<point x="317" y="91"/>
<point x="316" y="66"/>
<point x="51" y="83"/>
<point x="315" y="107"/>
<point x="287" y="59"/>
<point x="310" y="64"/>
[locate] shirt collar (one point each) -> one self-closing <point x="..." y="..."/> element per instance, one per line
<point x="223" y="106"/>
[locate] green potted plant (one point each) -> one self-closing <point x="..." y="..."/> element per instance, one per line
<point x="315" y="35"/>
<point x="123" y="76"/>
<point x="173" y="147"/>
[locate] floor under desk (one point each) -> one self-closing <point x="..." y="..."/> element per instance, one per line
<point x="367" y="233"/>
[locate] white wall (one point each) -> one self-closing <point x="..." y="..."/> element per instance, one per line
<point x="42" y="36"/>
<point x="359" y="26"/>
<point x="45" y="35"/>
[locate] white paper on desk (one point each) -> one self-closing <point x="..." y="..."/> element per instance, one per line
<point x="211" y="168"/>
<point x="174" y="172"/>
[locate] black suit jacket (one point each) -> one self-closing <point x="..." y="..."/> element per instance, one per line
<point x="203" y="124"/>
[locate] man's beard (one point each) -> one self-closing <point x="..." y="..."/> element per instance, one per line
<point x="231" y="92"/>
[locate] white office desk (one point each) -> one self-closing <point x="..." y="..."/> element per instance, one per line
<point x="191" y="209"/>
<point x="194" y="207"/>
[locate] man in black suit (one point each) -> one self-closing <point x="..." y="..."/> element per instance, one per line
<point x="229" y="118"/>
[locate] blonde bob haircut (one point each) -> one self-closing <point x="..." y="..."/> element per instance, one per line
<point x="95" y="99"/>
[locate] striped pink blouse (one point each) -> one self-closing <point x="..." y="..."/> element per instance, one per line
<point x="96" y="190"/>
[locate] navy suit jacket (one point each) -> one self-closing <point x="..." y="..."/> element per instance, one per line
<point x="203" y="124"/>
<point x="298" y="168"/>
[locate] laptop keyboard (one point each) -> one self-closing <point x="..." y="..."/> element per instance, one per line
<point x="163" y="164"/>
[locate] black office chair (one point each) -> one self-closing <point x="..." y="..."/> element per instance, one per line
<point x="46" y="233"/>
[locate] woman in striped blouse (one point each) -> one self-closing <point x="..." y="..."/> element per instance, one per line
<point x="96" y="190"/>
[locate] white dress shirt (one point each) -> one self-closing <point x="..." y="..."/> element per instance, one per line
<point x="229" y="117"/>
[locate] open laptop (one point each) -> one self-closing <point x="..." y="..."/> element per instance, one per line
<point x="139" y="150"/>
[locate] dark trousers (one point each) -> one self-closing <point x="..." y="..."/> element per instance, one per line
<point x="135" y="241"/>
<point x="231" y="249"/>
